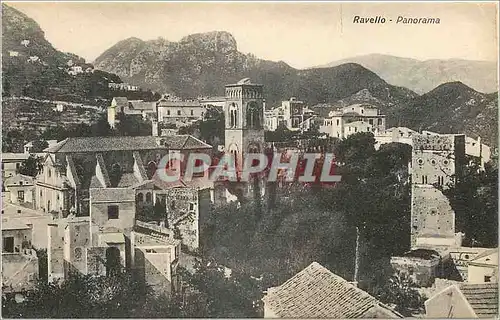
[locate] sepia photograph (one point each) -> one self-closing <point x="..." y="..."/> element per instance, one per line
<point x="240" y="159"/>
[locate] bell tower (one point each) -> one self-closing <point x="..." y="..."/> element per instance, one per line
<point x="244" y="117"/>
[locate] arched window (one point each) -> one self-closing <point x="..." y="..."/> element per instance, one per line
<point x="149" y="197"/>
<point x="151" y="169"/>
<point x="253" y="115"/>
<point x="78" y="254"/>
<point x="233" y="115"/>
<point x="140" y="197"/>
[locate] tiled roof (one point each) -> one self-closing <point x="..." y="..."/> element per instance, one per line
<point x="103" y="144"/>
<point x="112" y="195"/>
<point x="483" y="298"/>
<point x="127" y="180"/>
<point x="14" y="225"/>
<point x="180" y="104"/>
<point x="315" y="292"/>
<point x="142" y="105"/>
<point x="14" y="180"/>
<point x="483" y="254"/>
<point x="14" y="156"/>
<point x="112" y="237"/>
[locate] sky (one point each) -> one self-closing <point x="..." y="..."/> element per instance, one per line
<point x="301" y="34"/>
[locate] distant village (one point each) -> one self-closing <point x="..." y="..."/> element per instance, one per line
<point x="86" y="204"/>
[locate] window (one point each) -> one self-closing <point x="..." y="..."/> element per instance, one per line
<point x="149" y="197"/>
<point x="168" y="112"/>
<point x="191" y="206"/>
<point x="379" y="122"/>
<point x="192" y="112"/>
<point x="8" y="244"/>
<point x="18" y="165"/>
<point x="140" y="197"/>
<point x="20" y="183"/>
<point x="178" y="112"/>
<point x="78" y="254"/>
<point x="487" y="278"/>
<point x="362" y="111"/>
<point x="338" y="121"/>
<point x="20" y="195"/>
<point x="50" y="173"/>
<point x="113" y="212"/>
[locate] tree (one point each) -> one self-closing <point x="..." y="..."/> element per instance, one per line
<point x="401" y="291"/>
<point x="214" y="294"/>
<point x="39" y="145"/>
<point x="474" y="198"/>
<point x="82" y="296"/>
<point x="31" y="166"/>
<point x="129" y="125"/>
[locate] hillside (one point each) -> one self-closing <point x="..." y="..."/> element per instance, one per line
<point x="201" y="64"/>
<point x="423" y="76"/>
<point x="33" y="67"/>
<point x="452" y="108"/>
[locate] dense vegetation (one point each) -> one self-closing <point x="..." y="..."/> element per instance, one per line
<point x="319" y="224"/>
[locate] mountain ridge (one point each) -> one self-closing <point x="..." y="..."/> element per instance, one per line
<point x="422" y="76"/>
<point x="203" y="63"/>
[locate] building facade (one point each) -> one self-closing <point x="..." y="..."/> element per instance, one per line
<point x="435" y="162"/>
<point x="353" y="119"/>
<point x="244" y="119"/>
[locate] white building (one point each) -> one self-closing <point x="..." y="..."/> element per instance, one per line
<point x="353" y="119"/>
<point x="174" y="111"/>
<point x="13" y="53"/>
<point x="292" y="113"/>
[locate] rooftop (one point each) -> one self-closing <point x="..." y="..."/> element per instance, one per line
<point x="483" y="298"/>
<point x="14" y="156"/>
<point x="425" y="254"/>
<point x="315" y="292"/>
<point x="104" y="144"/>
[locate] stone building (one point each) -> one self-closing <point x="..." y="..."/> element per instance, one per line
<point x="19" y="260"/>
<point x="179" y="111"/>
<point x="20" y="190"/>
<point x="139" y="108"/>
<point x="436" y="160"/>
<point x="11" y="163"/>
<point x="244" y="114"/>
<point x="75" y="165"/>
<point x="353" y="119"/>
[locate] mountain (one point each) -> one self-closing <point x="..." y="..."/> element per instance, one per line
<point x="423" y="76"/>
<point x="451" y="108"/>
<point x="32" y="67"/>
<point x="201" y="64"/>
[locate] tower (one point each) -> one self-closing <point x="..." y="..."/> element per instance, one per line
<point x="244" y="119"/>
<point x="436" y="160"/>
